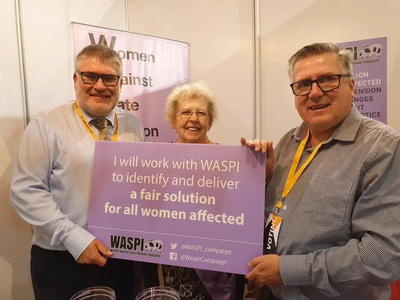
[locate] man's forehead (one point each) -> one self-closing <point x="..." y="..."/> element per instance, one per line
<point x="94" y="61"/>
<point x="317" y="59"/>
<point x="318" y="63"/>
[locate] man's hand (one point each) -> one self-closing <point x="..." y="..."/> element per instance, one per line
<point x="96" y="254"/>
<point x="266" y="270"/>
<point x="264" y="147"/>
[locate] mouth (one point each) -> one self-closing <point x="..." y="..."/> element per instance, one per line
<point x="318" y="107"/>
<point x="99" y="96"/>
<point x="193" y="128"/>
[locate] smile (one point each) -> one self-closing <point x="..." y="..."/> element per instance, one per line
<point x="319" y="107"/>
<point x="99" y="96"/>
<point x="192" y="128"/>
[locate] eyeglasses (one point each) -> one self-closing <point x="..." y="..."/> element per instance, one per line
<point x="187" y="114"/>
<point x="326" y="84"/>
<point x="92" y="78"/>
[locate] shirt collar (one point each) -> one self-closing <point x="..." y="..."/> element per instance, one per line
<point x="347" y="131"/>
<point x="110" y="117"/>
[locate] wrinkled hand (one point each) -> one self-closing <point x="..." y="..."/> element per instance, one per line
<point x="264" y="147"/>
<point x="253" y="290"/>
<point x="266" y="270"/>
<point x="96" y="254"/>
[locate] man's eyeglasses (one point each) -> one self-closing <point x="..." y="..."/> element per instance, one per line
<point x="326" y="84"/>
<point x="186" y="114"/>
<point x="92" y="78"/>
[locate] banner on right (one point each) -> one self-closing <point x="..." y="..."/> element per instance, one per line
<point x="370" y="76"/>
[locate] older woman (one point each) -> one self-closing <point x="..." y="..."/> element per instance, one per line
<point x="191" y="110"/>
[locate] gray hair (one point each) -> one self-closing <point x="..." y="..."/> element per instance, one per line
<point x="195" y="90"/>
<point x="344" y="56"/>
<point x="103" y="53"/>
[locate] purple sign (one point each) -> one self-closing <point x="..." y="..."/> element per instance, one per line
<point x="370" y="76"/>
<point x="198" y="206"/>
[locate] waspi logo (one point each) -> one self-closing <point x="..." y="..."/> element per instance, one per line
<point x="154" y="245"/>
<point x="135" y="245"/>
<point x="366" y="52"/>
<point x="127" y="243"/>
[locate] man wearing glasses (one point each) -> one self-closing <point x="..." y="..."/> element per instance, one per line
<point x="333" y="196"/>
<point x="51" y="181"/>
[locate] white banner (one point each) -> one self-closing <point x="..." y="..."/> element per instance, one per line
<point x="152" y="68"/>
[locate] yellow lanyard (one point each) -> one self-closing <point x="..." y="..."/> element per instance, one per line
<point x="88" y="128"/>
<point x="293" y="175"/>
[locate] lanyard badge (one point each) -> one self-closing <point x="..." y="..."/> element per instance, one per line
<point x="271" y="233"/>
<point x="274" y="222"/>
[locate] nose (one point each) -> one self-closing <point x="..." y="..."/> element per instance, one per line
<point x="99" y="85"/>
<point x="315" y="92"/>
<point x="193" y="116"/>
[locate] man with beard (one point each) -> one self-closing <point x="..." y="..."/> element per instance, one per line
<point x="51" y="182"/>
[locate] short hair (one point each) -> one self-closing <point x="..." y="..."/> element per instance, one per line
<point x="344" y="56"/>
<point x="195" y="90"/>
<point x="102" y="52"/>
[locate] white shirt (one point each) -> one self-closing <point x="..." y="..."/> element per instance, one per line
<point x="52" y="177"/>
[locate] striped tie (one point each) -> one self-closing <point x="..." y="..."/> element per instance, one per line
<point x="101" y="125"/>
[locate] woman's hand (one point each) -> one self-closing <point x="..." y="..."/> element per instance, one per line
<point x="253" y="290"/>
<point x="264" y="147"/>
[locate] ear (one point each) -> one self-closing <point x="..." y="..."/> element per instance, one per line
<point x="352" y="88"/>
<point x="75" y="80"/>
<point x="173" y="124"/>
<point x="210" y="125"/>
